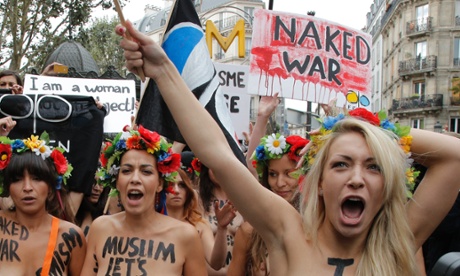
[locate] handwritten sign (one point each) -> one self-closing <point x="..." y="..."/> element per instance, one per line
<point x="308" y="58"/>
<point x="117" y="96"/>
<point x="233" y="81"/>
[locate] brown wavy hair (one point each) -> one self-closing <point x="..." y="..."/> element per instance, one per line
<point x="191" y="207"/>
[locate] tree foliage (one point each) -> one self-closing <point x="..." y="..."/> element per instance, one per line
<point x="31" y="29"/>
<point x="101" y="41"/>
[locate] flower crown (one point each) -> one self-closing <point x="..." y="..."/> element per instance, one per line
<point x="143" y="139"/>
<point x="40" y="146"/>
<point x="196" y="166"/>
<point x="381" y="120"/>
<point x="274" y="146"/>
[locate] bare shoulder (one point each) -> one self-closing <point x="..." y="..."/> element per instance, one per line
<point x="246" y="228"/>
<point x="182" y="230"/>
<point x="71" y="233"/>
<point x="65" y="226"/>
<point x="107" y="222"/>
<point x="203" y="224"/>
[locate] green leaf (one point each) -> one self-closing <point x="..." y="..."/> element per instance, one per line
<point x="5" y="140"/>
<point x="113" y="192"/>
<point x="45" y="137"/>
<point x="382" y="115"/>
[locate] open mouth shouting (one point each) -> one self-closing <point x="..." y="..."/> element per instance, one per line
<point x="352" y="209"/>
<point x="134" y="196"/>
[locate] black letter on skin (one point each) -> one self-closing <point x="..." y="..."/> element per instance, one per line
<point x="166" y="252"/>
<point x="340" y="264"/>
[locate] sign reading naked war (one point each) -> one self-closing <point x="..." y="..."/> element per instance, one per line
<point x="309" y="58"/>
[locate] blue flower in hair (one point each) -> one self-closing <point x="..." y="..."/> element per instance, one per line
<point x="121" y="144"/>
<point x="260" y="153"/>
<point x="386" y="124"/>
<point x="17" y="144"/>
<point x="163" y="156"/>
<point x="59" y="183"/>
<point x="329" y="121"/>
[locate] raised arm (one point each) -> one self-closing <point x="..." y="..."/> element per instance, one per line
<point x="267" y="105"/>
<point x="207" y="141"/>
<point x="439" y="188"/>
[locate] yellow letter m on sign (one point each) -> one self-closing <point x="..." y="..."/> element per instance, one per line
<point x="225" y="42"/>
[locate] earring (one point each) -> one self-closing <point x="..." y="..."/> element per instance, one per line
<point x="157" y="201"/>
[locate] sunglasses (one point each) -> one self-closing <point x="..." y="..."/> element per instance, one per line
<point x="49" y="108"/>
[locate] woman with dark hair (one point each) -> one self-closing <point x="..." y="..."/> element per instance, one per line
<point x="11" y="81"/>
<point x="35" y="240"/>
<point x="140" y="240"/>
<point x="182" y="204"/>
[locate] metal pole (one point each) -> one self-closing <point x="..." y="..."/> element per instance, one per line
<point x="270" y="5"/>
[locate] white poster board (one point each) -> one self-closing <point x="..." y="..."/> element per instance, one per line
<point x="233" y="81"/>
<point x="308" y="58"/>
<point x="117" y="96"/>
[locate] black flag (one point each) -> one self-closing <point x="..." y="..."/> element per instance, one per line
<point x="185" y="44"/>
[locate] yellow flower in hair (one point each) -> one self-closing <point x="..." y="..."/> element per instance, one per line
<point x="405" y="142"/>
<point x="33" y="142"/>
<point x="155" y="147"/>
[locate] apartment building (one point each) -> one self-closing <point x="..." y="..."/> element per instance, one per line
<point x="416" y="55"/>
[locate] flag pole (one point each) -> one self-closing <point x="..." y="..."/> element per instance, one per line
<point x="163" y="38"/>
<point x="270" y="5"/>
<point x="140" y="71"/>
<point x="169" y="18"/>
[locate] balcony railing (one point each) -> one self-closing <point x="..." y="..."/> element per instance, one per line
<point x="419" y="26"/>
<point x="423" y="102"/>
<point x="417" y="65"/>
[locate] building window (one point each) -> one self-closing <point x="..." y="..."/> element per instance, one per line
<point x="455" y="125"/>
<point x="249" y="14"/>
<point x="248" y="45"/>
<point x="417" y="123"/>
<point x="456" y="51"/>
<point x="419" y="89"/>
<point x="457" y="12"/>
<point x="420" y="49"/>
<point x="421" y="13"/>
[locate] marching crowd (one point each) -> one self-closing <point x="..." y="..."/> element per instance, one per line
<point x="342" y="203"/>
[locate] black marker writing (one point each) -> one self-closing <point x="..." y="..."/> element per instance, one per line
<point x="340" y="264"/>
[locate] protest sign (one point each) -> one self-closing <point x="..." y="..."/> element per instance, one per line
<point x="308" y="58"/>
<point x="117" y="96"/>
<point x="233" y="81"/>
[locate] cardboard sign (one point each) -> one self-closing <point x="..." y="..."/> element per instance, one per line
<point x="308" y="58"/>
<point x="117" y="96"/>
<point x="233" y="81"/>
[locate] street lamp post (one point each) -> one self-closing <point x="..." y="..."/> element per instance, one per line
<point x="437" y="127"/>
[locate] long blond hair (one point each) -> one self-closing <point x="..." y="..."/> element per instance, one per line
<point x="389" y="248"/>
